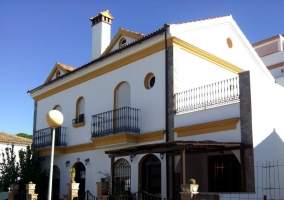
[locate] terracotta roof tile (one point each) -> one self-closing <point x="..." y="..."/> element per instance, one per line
<point x="6" y="138"/>
<point x="142" y="35"/>
<point x="67" y="67"/>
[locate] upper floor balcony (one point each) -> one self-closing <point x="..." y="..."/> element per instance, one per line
<point x="42" y="138"/>
<point x="121" y="120"/>
<point x="208" y="96"/>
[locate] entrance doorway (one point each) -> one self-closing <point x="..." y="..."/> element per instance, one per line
<point x="224" y="174"/>
<point x="80" y="177"/>
<point x="151" y="175"/>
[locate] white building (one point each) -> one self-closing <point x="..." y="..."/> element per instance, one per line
<point x="7" y="140"/>
<point x="189" y="100"/>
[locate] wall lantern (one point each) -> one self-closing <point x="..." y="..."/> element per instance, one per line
<point x="162" y="155"/>
<point x="132" y="157"/>
<point x="78" y="159"/>
<point x="67" y="163"/>
<point x="86" y="161"/>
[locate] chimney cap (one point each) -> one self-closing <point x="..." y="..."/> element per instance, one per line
<point x="104" y="16"/>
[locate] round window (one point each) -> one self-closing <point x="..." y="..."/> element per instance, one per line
<point x="149" y="81"/>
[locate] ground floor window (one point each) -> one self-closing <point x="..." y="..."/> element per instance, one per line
<point x="122" y="175"/>
<point x="224" y="174"/>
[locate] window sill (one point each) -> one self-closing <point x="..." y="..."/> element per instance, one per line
<point x="78" y="125"/>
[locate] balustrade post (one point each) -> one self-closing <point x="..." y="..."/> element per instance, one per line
<point x="14" y="188"/>
<point x="30" y="191"/>
<point x="73" y="189"/>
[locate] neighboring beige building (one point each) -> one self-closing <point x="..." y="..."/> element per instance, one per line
<point x="271" y="52"/>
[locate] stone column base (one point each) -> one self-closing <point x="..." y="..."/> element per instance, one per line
<point x="31" y="196"/>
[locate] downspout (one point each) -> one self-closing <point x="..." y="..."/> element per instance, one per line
<point x="166" y="83"/>
<point x="34" y="124"/>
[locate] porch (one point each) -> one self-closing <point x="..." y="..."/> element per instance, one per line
<point x="188" y="161"/>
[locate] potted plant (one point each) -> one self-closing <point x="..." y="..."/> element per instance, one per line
<point x="72" y="174"/>
<point x="192" y="187"/>
<point x="103" y="186"/>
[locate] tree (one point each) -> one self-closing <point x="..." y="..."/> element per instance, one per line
<point x="9" y="168"/>
<point x="30" y="170"/>
<point x="27" y="169"/>
<point x="24" y="135"/>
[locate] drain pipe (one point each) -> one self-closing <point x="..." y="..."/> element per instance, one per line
<point x="166" y="83"/>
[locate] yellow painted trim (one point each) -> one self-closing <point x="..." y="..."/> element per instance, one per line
<point x="115" y="139"/>
<point x="119" y="35"/>
<point x="149" y="137"/>
<point x="106" y="141"/>
<point x="216" y="126"/>
<point x="78" y="125"/>
<point x="205" y="55"/>
<point x="139" y="55"/>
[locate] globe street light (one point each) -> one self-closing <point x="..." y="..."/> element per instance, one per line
<point x="54" y="119"/>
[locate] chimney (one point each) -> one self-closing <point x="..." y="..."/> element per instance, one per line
<point x="101" y="30"/>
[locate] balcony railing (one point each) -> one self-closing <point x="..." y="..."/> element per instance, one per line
<point x="213" y="95"/>
<point x="115" y="121"/>
<point x="79" y="120"/>
<point x="42" y="138"/>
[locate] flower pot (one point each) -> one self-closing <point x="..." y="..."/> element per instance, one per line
<point x="102" y="188"/>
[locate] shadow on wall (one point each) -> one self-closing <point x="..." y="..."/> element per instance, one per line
<point x="271" y="148"/>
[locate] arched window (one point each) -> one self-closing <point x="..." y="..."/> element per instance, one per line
<point x="122" y="95"/>
<point x="122" y="42"/>
<point x="122" y="175"/>
<point x="57" y="107"/>
<point x="80" y="111"/>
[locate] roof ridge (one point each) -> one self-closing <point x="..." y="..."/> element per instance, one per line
<point x="199" y="20"/>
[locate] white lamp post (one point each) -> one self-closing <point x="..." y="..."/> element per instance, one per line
<point x="54" y="119"/>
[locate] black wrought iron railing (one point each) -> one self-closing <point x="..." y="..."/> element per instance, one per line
<point x="78" y="120"/>
<point x="42" y="138"/>
<point x="115" y="121"/>
<point x="147" y="196"/>
<point x="124" y="195"/>
<point x="87" y="195"/>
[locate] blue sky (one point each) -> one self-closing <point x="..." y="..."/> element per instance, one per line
<point x="34" y="35"/>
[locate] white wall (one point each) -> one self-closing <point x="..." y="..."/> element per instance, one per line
<point x="211" y="36"/>
<point x="191" y="71"/>
<point x="99" y="97"/>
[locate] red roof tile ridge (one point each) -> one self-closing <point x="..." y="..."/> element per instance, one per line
<point x="67" y="67"/>
<point x="132" y="32"/>
<point x="199" y="20"/>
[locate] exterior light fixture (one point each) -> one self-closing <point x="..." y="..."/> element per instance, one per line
<point x="54" y="119"/>
<point x="132" y="157"/>
<point x="67" y="163"/>
<point x="162" y="155"/>
<point x="86" y="161"/>
<point x="282" y="70"/>
<point x="78" y="159"/>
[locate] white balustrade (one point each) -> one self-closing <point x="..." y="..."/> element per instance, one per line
<point x="204" y="97"/>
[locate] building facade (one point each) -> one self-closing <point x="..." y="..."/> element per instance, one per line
<point x="189" y="100"/>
